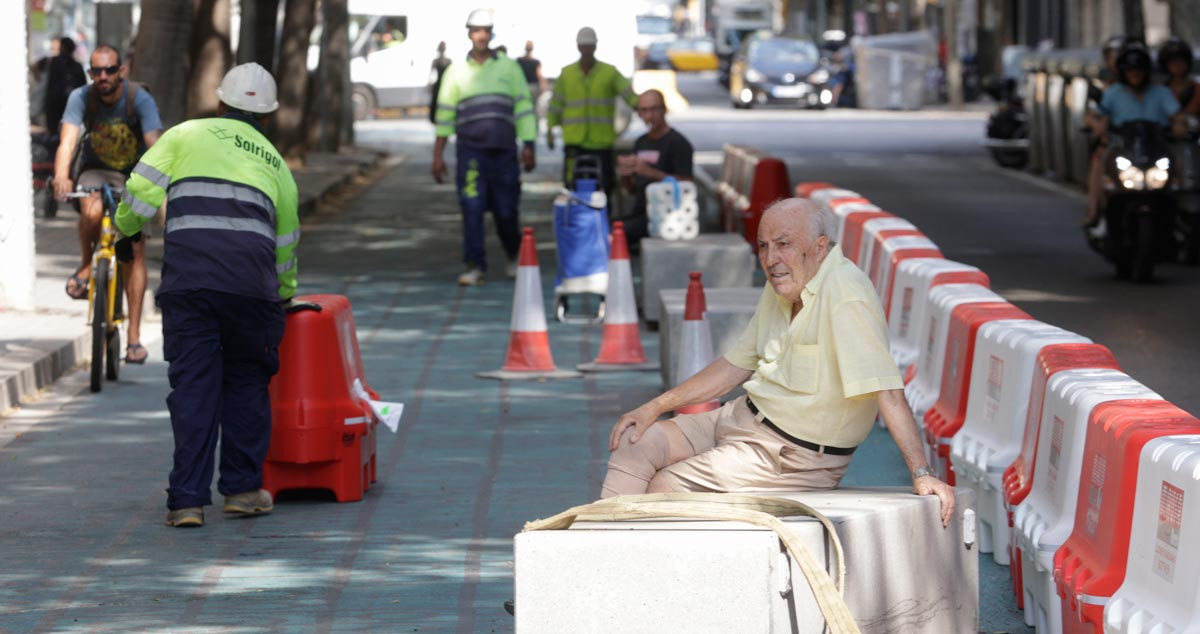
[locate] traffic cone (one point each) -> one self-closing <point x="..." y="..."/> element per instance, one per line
<point x="528" y="344"/>
<point x="621" y="345"/>
<point x="695" y="342"/>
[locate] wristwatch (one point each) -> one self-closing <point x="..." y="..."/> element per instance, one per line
<point x="923" y="471"/>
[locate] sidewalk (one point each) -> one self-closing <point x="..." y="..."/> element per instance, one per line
<point x="39" y="346"/>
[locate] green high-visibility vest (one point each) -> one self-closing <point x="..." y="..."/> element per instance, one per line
<point x="585" y="104"/>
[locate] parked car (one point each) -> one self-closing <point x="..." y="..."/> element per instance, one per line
<point x="774" y="69"/>
<point x="656" y="57"/>
<point x="693" y="54"/>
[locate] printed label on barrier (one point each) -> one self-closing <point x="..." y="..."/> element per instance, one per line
<point x="1170" y="517"/>
<point x="1056" y="438"/>
<point x="905" y="311"/>
<point x="1096" y="493"/>
<point x="952" y="372"/>
<point x="995" y="387"/>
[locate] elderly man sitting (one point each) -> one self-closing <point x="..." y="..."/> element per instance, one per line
<point x="815" y="366"/>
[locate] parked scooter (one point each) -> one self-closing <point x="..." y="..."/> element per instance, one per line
<point x="1185" y="189"/>
<point x="1008" y="126"/>
<point x="1139" y="211"/>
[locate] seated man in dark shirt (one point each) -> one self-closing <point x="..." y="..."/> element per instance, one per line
<point x="661" y="152"/>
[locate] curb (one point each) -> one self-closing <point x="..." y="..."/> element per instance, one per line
<point x="25" y="370"/>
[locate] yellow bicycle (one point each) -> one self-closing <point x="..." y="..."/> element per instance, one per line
<point x="105" y="291"/>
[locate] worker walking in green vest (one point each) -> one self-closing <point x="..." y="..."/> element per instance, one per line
<point x="584" y="104"/>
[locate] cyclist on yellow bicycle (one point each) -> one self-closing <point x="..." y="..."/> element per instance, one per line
<point x="110" y="122"/>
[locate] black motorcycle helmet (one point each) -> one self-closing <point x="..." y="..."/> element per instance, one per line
<point x="1133" y="56"/>
<point x="1174" y="48"/>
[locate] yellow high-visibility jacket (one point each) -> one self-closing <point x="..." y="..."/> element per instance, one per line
<point x="585" y="104"/>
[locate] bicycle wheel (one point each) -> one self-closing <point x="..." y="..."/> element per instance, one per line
<point x="112" y="361"/>
<point x="99" y="317"/>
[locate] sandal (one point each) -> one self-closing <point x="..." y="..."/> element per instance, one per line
<point x="133" y="347"/>
<point x="80" y="289"/>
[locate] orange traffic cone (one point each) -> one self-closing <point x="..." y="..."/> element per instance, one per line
<point x="621" y="345"/>
<point x="528" y="344"/>
<point x="695" y="342"/>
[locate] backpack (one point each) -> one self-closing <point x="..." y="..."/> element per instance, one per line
<point x="92" y="111"/>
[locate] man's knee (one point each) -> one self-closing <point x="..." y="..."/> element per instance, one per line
<point x="646" y="456"/>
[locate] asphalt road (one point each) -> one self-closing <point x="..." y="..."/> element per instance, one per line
<point x="931" y="168"/>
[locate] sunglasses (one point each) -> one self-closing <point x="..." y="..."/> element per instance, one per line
<point x="97" y="71"/>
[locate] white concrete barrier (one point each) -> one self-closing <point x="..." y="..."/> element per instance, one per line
<point x="915" y="277"/>
<point x="923" y="391"/>
<point x="725" y="259"/>
<point x="871" y="232"/>
<point x="1006" y="352"/>
<point x="729" y="310"/>
<point x="1043" y="522"/>
<point x="1161" y="592"/>
<point x="659" y="576"/>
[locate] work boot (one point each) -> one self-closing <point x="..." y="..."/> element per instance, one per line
<point x="183" y="518"/>
<point x="510" y="606"/>
<point x="256" y="502"/>
<point x="473" y="277"/>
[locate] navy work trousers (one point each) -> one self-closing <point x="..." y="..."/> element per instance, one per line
<point x="488" y="180"/>
<point x="223" y="350"/>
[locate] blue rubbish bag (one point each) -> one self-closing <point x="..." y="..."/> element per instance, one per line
<point x="581" y="233"/>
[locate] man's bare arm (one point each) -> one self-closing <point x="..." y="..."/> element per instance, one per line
<point x="899" y="420"/>
<point x="151" y="137"/>
<point x="716" y="379"/>
<point x="68" y="139"/>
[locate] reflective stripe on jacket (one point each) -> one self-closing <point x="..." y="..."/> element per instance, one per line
<point x="232" y="222"/>
<point x="487" y="105"/>
<point x="585" y="104"/>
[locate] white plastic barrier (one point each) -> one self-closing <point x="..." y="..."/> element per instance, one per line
<point x="1043" y="522"/>
<point x="884" y="263"/>
<point x="1161" y="592"/>
<point x="1006" y="354"/>
<point x="824" y="196"/>
<point x="922" y="393"/>
<point x="910" y="298"/>
<point x="842" y="210"/>
<point x="870" y="232"/>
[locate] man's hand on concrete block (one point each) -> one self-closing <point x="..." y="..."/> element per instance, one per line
<point x="931" y="485"/>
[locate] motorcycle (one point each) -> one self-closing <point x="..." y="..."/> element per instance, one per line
<point x="1008" y="126"/>
<point x="1139" y="211"/>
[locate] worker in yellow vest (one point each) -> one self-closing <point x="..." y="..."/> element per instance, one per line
<point x="584" y="104"/>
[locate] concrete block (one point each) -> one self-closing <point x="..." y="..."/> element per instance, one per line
<point x="725" y="259"/>
<point x="729" y="310"/>
<point x="904" y="572"/>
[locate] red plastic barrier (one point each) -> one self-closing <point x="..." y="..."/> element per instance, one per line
<point x="946" y="416"/>
<point x="804" y="190"/>
<point x="1090" y="566"/>
<point x="884" y="234"/>
<point x="1018" y="477"/>
<point x="888" y="269"/>
<point x="771" y="183"/>
<point x="853" y="226"/>
<point x="322" y="435"/>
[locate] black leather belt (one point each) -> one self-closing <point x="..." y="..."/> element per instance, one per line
<point x="833" y="451"/>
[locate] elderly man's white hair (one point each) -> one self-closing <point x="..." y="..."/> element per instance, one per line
<point x="819" y="221"/>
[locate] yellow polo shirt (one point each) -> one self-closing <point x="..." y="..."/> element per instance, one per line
<point x="815" y="376"/>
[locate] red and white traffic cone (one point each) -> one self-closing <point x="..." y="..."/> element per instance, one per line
<point x="528" y="344"/>
<point x="695" y="342"/>
<point x="621" y="345"/>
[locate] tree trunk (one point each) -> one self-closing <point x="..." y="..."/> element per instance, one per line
<point x="330" y="98"/>
<point x="256" y="37"/>
<point x="211" y="56"/>
<point x="292" y="74"/>
<point x="164" y="31"/>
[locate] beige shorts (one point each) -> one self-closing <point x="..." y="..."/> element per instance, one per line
<point x="735" y="452"/>
<point x="98" y="177"/>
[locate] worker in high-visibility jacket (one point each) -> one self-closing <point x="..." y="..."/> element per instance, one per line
<point x="584" y="104"/>
<point x="229" y="265"/>
<point x="485" y="102"/>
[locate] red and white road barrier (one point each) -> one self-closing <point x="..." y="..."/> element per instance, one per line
<point x="915" y="277"/>
<point x="750" y="182"/>
<point x="528" y="355"/>
<point x="621" y="344"/>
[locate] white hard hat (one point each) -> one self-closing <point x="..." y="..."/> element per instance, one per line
<point x="586" y="36"/>
<point x="250" y="88"/>
<point x="480" y="18"/>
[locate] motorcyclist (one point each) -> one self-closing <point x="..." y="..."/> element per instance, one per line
<point x="1094" y="120"/>
<point x="1175" y="61"/>
<point x="1133" y="98"/>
